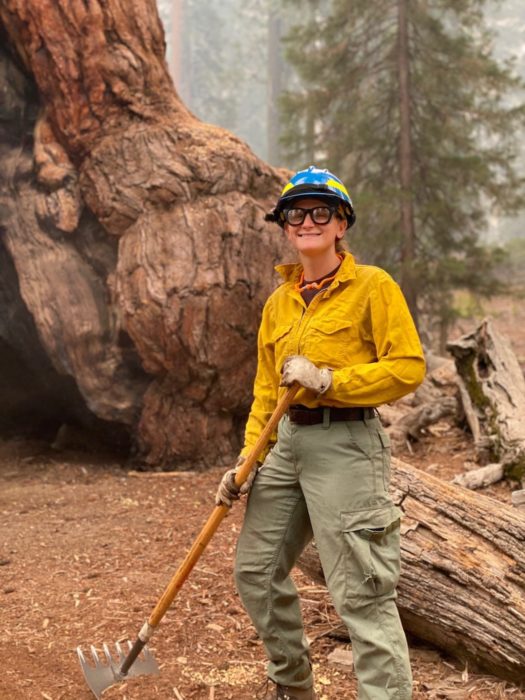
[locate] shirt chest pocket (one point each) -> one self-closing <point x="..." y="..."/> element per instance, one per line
<point x="330" y="340"/>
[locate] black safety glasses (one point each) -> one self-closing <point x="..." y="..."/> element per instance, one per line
<point x="319" y="215"/>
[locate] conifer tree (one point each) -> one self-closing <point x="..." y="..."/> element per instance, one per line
<point x="405" y="102"/>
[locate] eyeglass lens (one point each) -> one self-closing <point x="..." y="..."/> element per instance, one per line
<point x="319" y="215"/>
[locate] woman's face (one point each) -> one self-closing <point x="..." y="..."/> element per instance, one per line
<point x="313" y="239"/>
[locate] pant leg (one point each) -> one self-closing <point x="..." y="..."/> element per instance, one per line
<point x="344" y="472"/>
<point x="276" y="529"/>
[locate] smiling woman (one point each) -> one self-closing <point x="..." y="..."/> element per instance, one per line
<point x="343" y="332"/>
<point x="313" y="230"/>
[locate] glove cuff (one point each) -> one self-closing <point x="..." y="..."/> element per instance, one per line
<point x="232" y="486"/>
<point x="326" y="380"/>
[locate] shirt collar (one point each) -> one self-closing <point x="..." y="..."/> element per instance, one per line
<point x="291" y="272"/>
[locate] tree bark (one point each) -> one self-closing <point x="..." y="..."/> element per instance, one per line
<point x="492" y="389"/>
<point x="463" y="571"/>
<point x="136" y="231"/>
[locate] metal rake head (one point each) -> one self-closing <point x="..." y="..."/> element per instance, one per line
<point x="100" y="674"/>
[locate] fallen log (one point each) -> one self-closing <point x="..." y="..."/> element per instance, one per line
<point x="413" y="422"/>
<point x="518" y="499"/>
<point x="480" y="477"/>
<point x="462" y="586"/>
<point x="492" y="391"/>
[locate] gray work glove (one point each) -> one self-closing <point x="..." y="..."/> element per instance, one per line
<point x="298" y="368"/>
<point x="228" y="490"/>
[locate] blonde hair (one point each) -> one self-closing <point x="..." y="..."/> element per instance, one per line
<point x="341" y="246"/>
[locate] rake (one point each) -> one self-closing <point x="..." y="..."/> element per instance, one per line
<point x="113" y="668"/>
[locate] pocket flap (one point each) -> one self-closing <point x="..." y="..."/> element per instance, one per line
<point x="370" y="519"/>
<point x="281" y="331"/>
<point x="331" y="325"/>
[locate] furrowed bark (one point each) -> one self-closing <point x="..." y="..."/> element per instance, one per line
<point x="136" y="231"/>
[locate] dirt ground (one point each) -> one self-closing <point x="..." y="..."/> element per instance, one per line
<point x="87" y="547"/>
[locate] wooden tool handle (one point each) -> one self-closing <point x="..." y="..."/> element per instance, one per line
<point x="246" y="467"/>
<point x="219" y="512"/>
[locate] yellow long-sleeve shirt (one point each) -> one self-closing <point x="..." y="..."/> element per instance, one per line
<point x="360" y="327"/>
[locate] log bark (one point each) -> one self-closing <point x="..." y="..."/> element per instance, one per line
<point x="136" y="232"/>
<point x="480" y="477"/>
<point x="492" y="389"/>
<point x="463" y="571"/>
<point x="518" y="499"/>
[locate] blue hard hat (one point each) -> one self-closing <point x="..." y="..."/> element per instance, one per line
<point x="313" y="182"/>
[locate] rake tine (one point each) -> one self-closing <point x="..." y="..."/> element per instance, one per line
<point x="107" y="654"/>
<point x="81" y="656"/>
<point x="120" y="654"/>
<point x="100" y="675"/>
<point x="95" y="656"/>
<point x="148" y="656"/>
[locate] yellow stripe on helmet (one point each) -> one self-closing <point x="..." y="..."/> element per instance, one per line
<point x="332" y="183"/>
<point x="338" y="186"/>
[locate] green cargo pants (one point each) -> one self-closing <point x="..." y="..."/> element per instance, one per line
<point x="328" y="481"/>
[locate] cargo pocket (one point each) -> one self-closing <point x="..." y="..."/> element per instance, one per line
<point x="371" y="551"/>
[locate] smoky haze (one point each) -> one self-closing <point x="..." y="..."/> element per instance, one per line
<point x="227" y="61"/>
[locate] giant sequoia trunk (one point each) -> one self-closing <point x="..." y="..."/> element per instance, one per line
<point x="133" y="234"/>
<point x="462" y="586"/>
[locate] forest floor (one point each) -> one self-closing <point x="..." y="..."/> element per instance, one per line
<point x="87" y="547"/>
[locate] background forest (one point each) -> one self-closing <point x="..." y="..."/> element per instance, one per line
<point x="418" y="106"/>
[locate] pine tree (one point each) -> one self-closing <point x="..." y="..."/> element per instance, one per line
<point x="405" y="102"/>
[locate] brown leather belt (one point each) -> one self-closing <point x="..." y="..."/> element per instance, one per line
<point x="302" y="415"/>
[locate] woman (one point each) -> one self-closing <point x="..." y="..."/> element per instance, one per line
<point x="343" y="331"/>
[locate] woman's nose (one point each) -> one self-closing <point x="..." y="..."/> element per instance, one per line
<point x="308" y="220"/>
